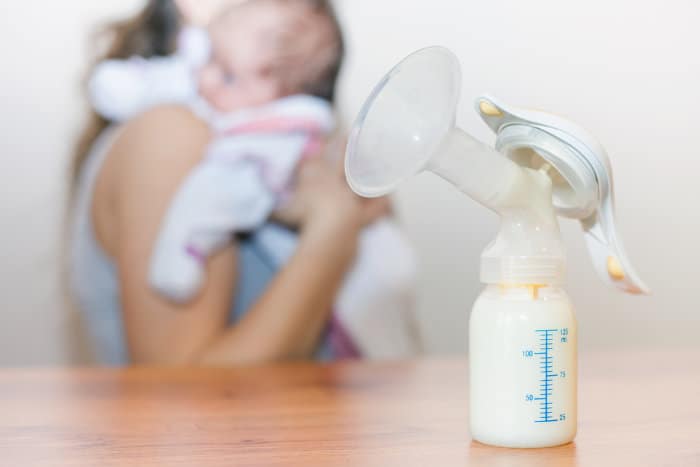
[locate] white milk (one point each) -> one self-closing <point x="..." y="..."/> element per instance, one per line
<point x="522" y="350"/>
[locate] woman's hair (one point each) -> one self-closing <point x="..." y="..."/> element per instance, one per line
<point x="154" y="32"/>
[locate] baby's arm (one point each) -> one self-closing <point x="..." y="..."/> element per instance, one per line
<point x="215" y="201"/>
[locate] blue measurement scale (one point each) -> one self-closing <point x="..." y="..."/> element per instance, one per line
<point x="545" y="357"/>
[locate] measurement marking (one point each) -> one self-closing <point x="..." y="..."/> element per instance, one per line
<point x="546" y="373"/>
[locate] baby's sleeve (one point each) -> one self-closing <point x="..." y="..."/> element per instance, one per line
<point x="121" y="89"/>
<point x="215" y="201"/>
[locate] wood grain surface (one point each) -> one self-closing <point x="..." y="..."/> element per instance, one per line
<point x="636" y="409"/>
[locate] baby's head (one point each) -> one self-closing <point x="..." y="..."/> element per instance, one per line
<point x="264" y="50"/>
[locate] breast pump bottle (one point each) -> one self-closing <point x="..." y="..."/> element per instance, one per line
<point x="522" y="330"/>
<point x="523" y="365"/>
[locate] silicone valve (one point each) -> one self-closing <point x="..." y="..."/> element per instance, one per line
<point x="582" y="178"/>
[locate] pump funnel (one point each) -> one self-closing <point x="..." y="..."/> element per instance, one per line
<point x="407" y="126"/>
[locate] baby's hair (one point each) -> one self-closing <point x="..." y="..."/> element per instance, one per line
<point x="325" y="81"/>
<point x="320" y="73"/>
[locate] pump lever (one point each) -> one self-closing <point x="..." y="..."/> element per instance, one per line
<point x="582" y="166"/>
<point x="605" y="246"/>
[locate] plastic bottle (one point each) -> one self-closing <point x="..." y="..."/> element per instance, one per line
<point x="523" y="366"/>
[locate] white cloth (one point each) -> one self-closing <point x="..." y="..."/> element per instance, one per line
<point x="121" y="89"/>
<point x="244" y="175"/>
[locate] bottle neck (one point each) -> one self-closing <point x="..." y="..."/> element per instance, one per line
<point x="528" y="248"/>
<point x="524" y="291"/>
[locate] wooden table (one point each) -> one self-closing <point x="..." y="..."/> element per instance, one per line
<point x="636" y="408"/>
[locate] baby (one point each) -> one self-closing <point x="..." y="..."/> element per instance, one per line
<point x="262" y="75"/>
<point x="250" y="55"/>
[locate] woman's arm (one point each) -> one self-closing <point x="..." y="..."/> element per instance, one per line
<point x="287" y="321"/>
<point x="145" y="167"/>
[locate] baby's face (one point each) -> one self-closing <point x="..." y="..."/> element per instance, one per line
<point x="259" y="51"/>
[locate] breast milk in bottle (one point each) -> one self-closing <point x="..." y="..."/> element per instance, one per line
<point x="522" y="352"/>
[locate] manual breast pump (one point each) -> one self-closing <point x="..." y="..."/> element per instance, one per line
<point x="522" y="344"/>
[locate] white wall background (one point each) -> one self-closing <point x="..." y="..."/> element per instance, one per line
<point x="627" y="70"/>
<point x="43" y="45"/>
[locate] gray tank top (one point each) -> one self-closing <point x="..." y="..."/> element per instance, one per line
<point x="94" y="278"/>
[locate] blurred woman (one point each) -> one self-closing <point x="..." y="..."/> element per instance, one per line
<point x="248" y="311"/>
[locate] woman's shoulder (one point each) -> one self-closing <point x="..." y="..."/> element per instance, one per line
<point x="166" y="134"/>
<point x="163" y="117"/>
<point x="145" y="165"/>
<point x="163" y="143"/>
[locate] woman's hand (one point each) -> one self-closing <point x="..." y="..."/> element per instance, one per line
<point x="330" y="217"/>
<point x="322" y="201"/>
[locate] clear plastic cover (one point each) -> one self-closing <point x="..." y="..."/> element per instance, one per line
<point x="403" y="122"/>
